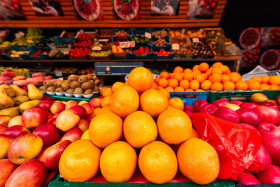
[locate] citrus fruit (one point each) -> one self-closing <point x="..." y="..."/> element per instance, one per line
<point x="165" y="92"/>
<point x="265" y="86"/>
<point x="163" y="82"/>
<point x="274" y="80"/>
<point x="178" y="76"/>
<point x="198" y="161"/>
<point x="188" y="76"/>
<point x="194" y="84"/>
<point x="139" y="129"/>
<point x="274" y="87"/>
<point x="203" y="67"/>
<point x="217" y="86"/>
<point x="178" y="69"/>
<point x="200" y="78"/>
<point x="225" y="69"/>
<point x="105" y="128"/>
<point x="105" y="109"/>
<point x="235" y="77"/>
<point x="96" y="110"/>
<point x="217" y="64"/>
<point x="241" y="85"/>
<point x="176" y="103"/>
<point x="215" y="78"/>
<point x="102" y="90"/>
<point x="157" y="162"/>
<point x="194" y="134"/>
<point x="107" y="92"/>
<point x="174" y="126"/>
<point x="116" y="85"/>
<point x="189" y="90"/>
<point x="199" y="90"/>
<point x="188" y="70"/>
<point x="140" y="79"/>
<point x="217" y="70"/>
<point x="153" y="102"/>
<point x="253" y="84"/>
<point x="195" y="67"/>
<point x="225" y="78"/>
<point x="105" y="101"/>
<point x="155" y="86"/>
<point x="169" y="89"/>
<point x="80" y="161"/>
<point x="118" y="162"/>
<point x="228" y="85"/>
<point x="184" y="84"/>
<point x="179" y="89"/>
<point x="206" y="85"/>
<point x="173" y="83"/>
<point x="265" y="79"/>
<point x="164" y="75"/>
<point x="124" y="101"/>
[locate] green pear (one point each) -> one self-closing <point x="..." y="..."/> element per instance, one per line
<point x="19" y="91"/>
<point x="34" y="93"/>
<point x="5" y="101"/>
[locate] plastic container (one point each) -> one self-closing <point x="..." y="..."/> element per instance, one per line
<point x="158" y="48"/>
<point x="34" y="49"/>
<point x="155" y="30"/>
<point x="65" y="41"/>
<point x="140" y="31"/>
<point x="7" y="55"/>
<point x="239" y="95"/>
<point x="129" y="31"/>
<point x="153" y="39"/>
<point x="142" y="56"/>
<point x="189" y="97"/>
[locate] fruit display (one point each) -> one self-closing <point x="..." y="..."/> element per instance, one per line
<point x="274" y="34"/>
<point x="162" y="52"/>
<point x="251" y="55"/>
<point x="100" y="54"/>
<point x="160" y="42"/>
<point x="17" y="71"/>
<point x="202" y="50"/>
<point x="122" y="34"/>
<point x="250" y="38"/>
<point x="195" y="34"/>
<point x="140" y="40"/>
<point x="141" y="51"/>
<point x="78" y="86"/>
<point x="160" y="34"/>
<point x="117" y="50"/>
<point x="218" y="77"/>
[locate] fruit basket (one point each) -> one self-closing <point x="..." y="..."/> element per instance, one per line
<point x="159" y="33"/>
<point x="158" y="50"/>
<point x="16" y="52"/>
<point x="123" y="33"/>
<point x="189" y="97"/>
<point x="144" y="55"/>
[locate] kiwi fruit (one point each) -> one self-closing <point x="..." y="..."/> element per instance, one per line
<point x="59" y="89"/>
<point x="43" y="88"/>
<point x="92" y="83"/>
<point x="83" y="78"/>
<point x="48" y="83"/>
<point x="58" y="83"/>
<point x="70" y="91"/>
<point x="51" y="89"/>
<point x="88" y="92"/>
<point x="97" y="82"/>
<point x="75" y="84"/>
<point x="94" y="77"/>
<point x="78" y="91"/>
<point x="86" y="85"/>
<point x="89" y="76"/>
<point x="101" y="85"/>
<point x="65" y="85"/>
<point x="73" y="78"/>
<point x="96" y="88"/>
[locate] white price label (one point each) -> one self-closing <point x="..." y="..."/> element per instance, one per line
<point x="175" y="47"/>
<point x="96" y="48"/>
<point x="58" y="73"/>
<point x="127" y="44"/>
<point x="195" y="40"/>
<point x="19" y="34"/>
<point x="103" y="40"/>
<point x="148" y="35"/>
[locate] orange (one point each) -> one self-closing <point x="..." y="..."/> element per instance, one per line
<point x="79" y="162"/>
<point x="188" y="70"/>
<point x="194" y="134"/>
<point x="217" y="86"/>
<point x="171" y="75"/>
<point x="253" y="84"/>
<point x="169" y="89"/>
<point x="206" y="85"/>
<point x="156" y="80"/>
<point x="199" y="90"/>
<point x="124" y="101"/>
<point x="118" y="162"/>
<point x="217" y="70"/>
<point x="265" y="86"/>
<point x="229" y="85"/>
<point x="176" y="103"/>
<point x="235" y="77"/>
<point x="274" y="87"/>
<point x="200" y="78"/>
<point x="165" y="92"/>
<point x="163" y="82"/>
<point x="153" y="102"/>
<point x="203" y="67"/>
<point x="107" y="92"/>
<point x="198" y="161"/>
<point x="184" y="83"/>
<point x="209" y="72"/>
<point x="96" y="110"/>
<point x="196" y="72"/>
<point x="215" y="77"/>
<point x="155" y="86"/>
<point x="189" y="90"/>
<point x="164" y="75"/>
<point x="178" y="69"/>
<point x="116" y="85"/>
<point x="140" y="79"/>
<point x="225" y="78"/>
<point x="194" y="84"/>
<point x="274" y="80"/>
<point x="241" y="85"/>
<point x="256" y="78"/>
<point x="179" y="89"/>
<point x="139" y="129"/>
<point x="105" y="128"/>
<point x="159" y="87"/>
<point x="265" y="79"/>
<point x="102" y="90"/>
<point x="204" y="75"/>
<point x="174" y="126"/>
<point x="225" y="69"/>
<point x="195" y="67"/>
<point x="105" y="101"/>
<point x="157" y="162"/>
<point x="217" y="64"/>
<point x="188" y="76"/>
<point x="105" y="109"/>
<point x="173" y="83"/>
<point x="178" y="76"/>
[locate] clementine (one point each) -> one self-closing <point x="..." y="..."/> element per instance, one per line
<point x="178" y="69"/>
<point x="116" y="85"/>
<point x="235" y="77"/>
<point x="179" y="89"/>
<point x="241" y="85"/>
<point x="105" y="101"/>
<point x="164" y="75"/>
<point x="178" y="76"/>
<point x="173" y="83"/>
<point x="176" y="103"/>
<point x="194" y="84"/>
<point x="217" y="86"/>
<point x="274" y="80"/>
<point x="203" y="67"/>
<point x="215" y="78"/>
<point x="206" y="85"/>
<point x="184" y="84"/>
<point x="228" y="85"/>
<point x="163" y="82"/>
<point x="140" y="79"/>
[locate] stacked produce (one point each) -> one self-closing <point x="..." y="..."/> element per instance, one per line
<point x="17" y="71"/>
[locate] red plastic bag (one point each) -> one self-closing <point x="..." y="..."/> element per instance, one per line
<point x="236" y="146"/>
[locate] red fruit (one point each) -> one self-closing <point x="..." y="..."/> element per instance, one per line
<point x="247" y="178"/>
<point x="226" y="114"/>
<point x="198" y="104"/>
<point x="268" y="114"/>
<point x="208" y="108"/>
<point x="270" y="175"/>
<point x="248" y="116"/>
<point x="220" y="102"/>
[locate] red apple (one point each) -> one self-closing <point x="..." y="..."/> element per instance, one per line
<point x="198" y="104"/>
<point x="189" y="113"/>
<point x="4" y="120"/>
<point x="226" y="114"/>
<point x="16" y="131"/>
<point x="208" y="108"/>
<point x="266" y="103"/>
<point x="79" y="110"/>
<point x="90" y="117"/>
<point x="82" y="102"/>
<point x="188" y="107"/>
<point x="50" y="115"/>
<point x="67" y="120"/>
<point x="249" y="105"/>
<point x="70" y="103"/>
<point x="25" y="148"/>
<point x="33" y="117"/>
<point x="72" y="135"/>
<point x="45" y="104"/>
<point x="15" y="121"/>
<point x="50" y="155"/>
<point x="220" y="102"/>
<point x="245" y="125"/>
<point x="247" y="178"/>
<point x="268" y="114"/>
<point x="231" y="106"/>
<point x="50" y="175"/>
<point x="2" y="128"/>
<point x="52" y="118"/>
<point x="48" y="132"/>
<point x="88" y="108"/>
<point x="6" y="169"/>
<point x="270" y="175"/>
<point x="57" y="107"/>
<point x="258" y="97"/>
<point x="278" y="99"/>
<point x="32" y="173"/>
<point x="95" y="102"/>
<point x="249" y="116"/>
<point x="236" y="102"/>
<point x="271" y="140"/>
<point x="83" y="125"/>
<point x="261" y="162"/>
<point x="5" y="142"/>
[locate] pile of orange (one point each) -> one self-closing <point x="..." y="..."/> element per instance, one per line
<point x="136" y="117"/>
<point x="217" y="77"/>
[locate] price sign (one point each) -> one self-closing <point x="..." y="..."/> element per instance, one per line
<point x="103" y="40"/>
<point x="96" y="48"/>
<point x="148" y="35"/>
<point x="19" y="34"/>
<point x="58" y="73"/>
<point x="175" y="47"/>
<point x="195" y="40"/>
<point x="127" y="44"/>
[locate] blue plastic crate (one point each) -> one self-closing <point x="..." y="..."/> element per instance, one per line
<point x="140" y="31"/>
<point x="155" y="39"/>
<point x="129" y="31"/>
<point x="127" y="56"/>
<point x="168" y="47"/>
<point x="189" y="97"/>
<point x="15" y="48"/>
<point x="58" y="39"/>
<point x="33" y="49"/>
<point x="147" y="56"/>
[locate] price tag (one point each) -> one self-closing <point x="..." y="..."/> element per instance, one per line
<point x="103" y="40"/>
<point x="108" y="70"/>
<point x="96" y="48"/>
<point x="175" y="47"/>
<point x="58" y="73"/>
<point x="195" y="40"/>
<point x="148" y="35"/>
<point x="19" y="34"/>
<point x="127" y="44"/>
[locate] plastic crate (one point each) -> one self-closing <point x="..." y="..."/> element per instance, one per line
<point x="257" y="185"/>
<point x="33" y="49"/>
<point x="15" y="48"/>
<point x="65" y="41"/>
<point x="189" y="97"/>
<point x="146" y="56"/>
<point x="153" y="39"/>
<point x="239" y="95"/>
<point x="140" y="31"/>
<point x="129" y="31"/>
<point x="166" y="48"/>
<point x="155" y="30"/>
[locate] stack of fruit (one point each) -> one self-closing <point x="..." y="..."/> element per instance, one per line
<point x="216" y="78"/>
<point x="17" y="71"/>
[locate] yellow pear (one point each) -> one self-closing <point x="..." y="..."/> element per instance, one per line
<point x="8" y="91"/>
<point x="5" y="101"/>
<point x="34" y="93"/>
<point x="28" y="104"/>
<point x="19" y="91"/>
<point x="12" y="112"/>
<point x="20" y="99"/>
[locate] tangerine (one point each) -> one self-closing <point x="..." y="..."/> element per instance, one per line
<point x="196" y="67"/>
<point x="164" y="75"/>
<point x="169" y="89"/>
<point x="225" y="78"/>
<point x="215" y="78"/>
<point x="274" y="87"/>
<point x="217" y="70"/>
<point x="265" y="79"/>
<point x="235" y="77"/>
<point x="178" y="76"/>
<point x="105" y="101"/>
<point x="274" y="80"/>
<point x="206" y="85"/>
<point x="140" y="79"/>
<point x="176" y="103"/>
<point x="225" y="69"/>
<point x="200" y="78"/>
<point x="265" y="86"/>
<point x="194" y="84"/>
<point x="188" y="76"/>
<point x="179" y="89"/>
<point x="241" y="85"/>
<point x="184" y="84"/>
<point x="229" y="85"/>
<point x="203" y="67"/>
<point x="178" y="69"/>
<point x="163" y="82"/>
<point x="217" y="86"/>
<point x="107" y="92"/>
<point x="188" y="70"/>
<point x="254" y="85"/>
<point x="217" y="64"/>
<point x="116" y="85"/>
<point x="173" y="83"/>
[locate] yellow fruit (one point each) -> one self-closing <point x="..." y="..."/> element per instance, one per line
<point x="176" y="103"/>
<point x="85" y="136"/>
<point x="117" y="85"/>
